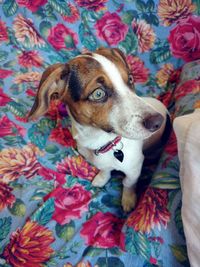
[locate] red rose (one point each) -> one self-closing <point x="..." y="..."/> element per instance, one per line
<point x="103" y="230"/>
<point x="61" y="37"/>
<point x="3" y="32"/>
<point x="184" y="39"/>
<point x="6" y="197"/>
<point x="49" y="174"/>
<point x="70" y="203"/>
<point x="4" y="99"/>
<point x="111" y="29"/>
<point x="5" y="73"/>
<point x="32" y="5"/>
<point x="92" y="4"/>
<point x="191" y="86"/>
<point x="171" y="147"/>
<point x="166" y="98"/>
<point x="138" y="70"/>
<point x="62" y="136"/>
<point x="10" y="128"/>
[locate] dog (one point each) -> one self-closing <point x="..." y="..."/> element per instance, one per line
<point x="111" y="124"/>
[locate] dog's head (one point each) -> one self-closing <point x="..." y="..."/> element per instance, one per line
<point x="99" y="91"/>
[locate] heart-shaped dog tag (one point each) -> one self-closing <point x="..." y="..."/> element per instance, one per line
<point x="118" y="154"/>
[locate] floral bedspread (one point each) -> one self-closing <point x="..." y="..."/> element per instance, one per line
<point x="50" y="214"/>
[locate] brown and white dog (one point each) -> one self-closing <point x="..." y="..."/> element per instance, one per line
<point x="110" y="123"/>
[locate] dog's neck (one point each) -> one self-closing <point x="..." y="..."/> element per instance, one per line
<point x="89" y="136"/>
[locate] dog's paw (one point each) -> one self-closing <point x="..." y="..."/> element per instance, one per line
<point x="100" y="180"/>
<point x="129" y="199"/>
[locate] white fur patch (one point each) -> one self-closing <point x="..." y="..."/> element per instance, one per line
<point x="113" y="73"/>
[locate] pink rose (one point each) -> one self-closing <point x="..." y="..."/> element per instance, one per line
<point x="70" y="203"/>
<point x="3" y="31"/>
<point x="10" y="128"/>
<point x="29" y="59"/>
<point x="184" y="39"/>
<point x="95" y="5"/>
<point x="5" y="73"/>
<point x="103" y="230"/>
<point x="111" y="29"/>
<point x="137" y="68"/>
<point x="4" y="99"/>
<point x="32" y="5"/>
<point x="61" y="37"/>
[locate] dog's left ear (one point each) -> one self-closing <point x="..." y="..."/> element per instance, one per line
<point x="52" y="85"/>
<point x="120" y="54"/>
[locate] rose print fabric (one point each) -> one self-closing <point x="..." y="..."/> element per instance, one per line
<point x="50" y="214"/>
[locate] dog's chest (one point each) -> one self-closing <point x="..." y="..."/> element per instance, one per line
<point x="110" y="161"/>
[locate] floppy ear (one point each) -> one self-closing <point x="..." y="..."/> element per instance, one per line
<point x="121" y="55"/>
<point x="52" y="84"/>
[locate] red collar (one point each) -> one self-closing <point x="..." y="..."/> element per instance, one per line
<point x="108" y="146"/>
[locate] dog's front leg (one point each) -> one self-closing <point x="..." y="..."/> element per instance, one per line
<point x="129" y="197"/>
<point x="101" y="178"/>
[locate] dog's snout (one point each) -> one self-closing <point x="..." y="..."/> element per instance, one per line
<point x="153" y="122"/>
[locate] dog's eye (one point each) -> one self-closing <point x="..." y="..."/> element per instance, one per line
<point x="98" y="95"/>
<point x="130" y="79"/>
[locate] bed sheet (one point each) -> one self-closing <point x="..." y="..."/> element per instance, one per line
<point x="50" y="215"/>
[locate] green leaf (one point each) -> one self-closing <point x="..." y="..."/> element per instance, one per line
<point x="9" y="7"/>
<point x="61" y="7"/>
<point x="90" y="16"/>
<point x="45" y="27"/>
<point x="17" y="109"/>
<point x="92" y="252"/>
<point x="138" y="244"/>
<point x="40" y="193"/>
<point x="166" y="183"/>
<point x="160" y="54"/>
<point x="111" y="201"/>
<point x="197" y="3"/>
<point x="109" y="262"/>
<point x="146" y="18"/>
<point x="141" y="6"/>
<point x="10" y="64"/>
<point x="153" y="19"/>
<point x="128" y="16"/>
<point x="66" y="231"/>
<point x="150" y="5"/>
<point x="130" y="44"/>
<point x="5" y="225"/>
<point x="44" y="214"/>
<point x="180" y="253"/>
<point x="87" y="38"/>
<point x="3" y="55"/>
<point x="18" y="208"/>
<point x="115" y="251"/>
<point x="71" y="181"/>
<point x="51" y="148"/>
<point x="39" y="132"/>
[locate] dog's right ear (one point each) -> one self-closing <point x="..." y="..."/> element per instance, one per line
<point x="52" y="85"/>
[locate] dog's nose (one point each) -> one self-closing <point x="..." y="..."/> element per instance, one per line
<point x="153" y="122"/>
